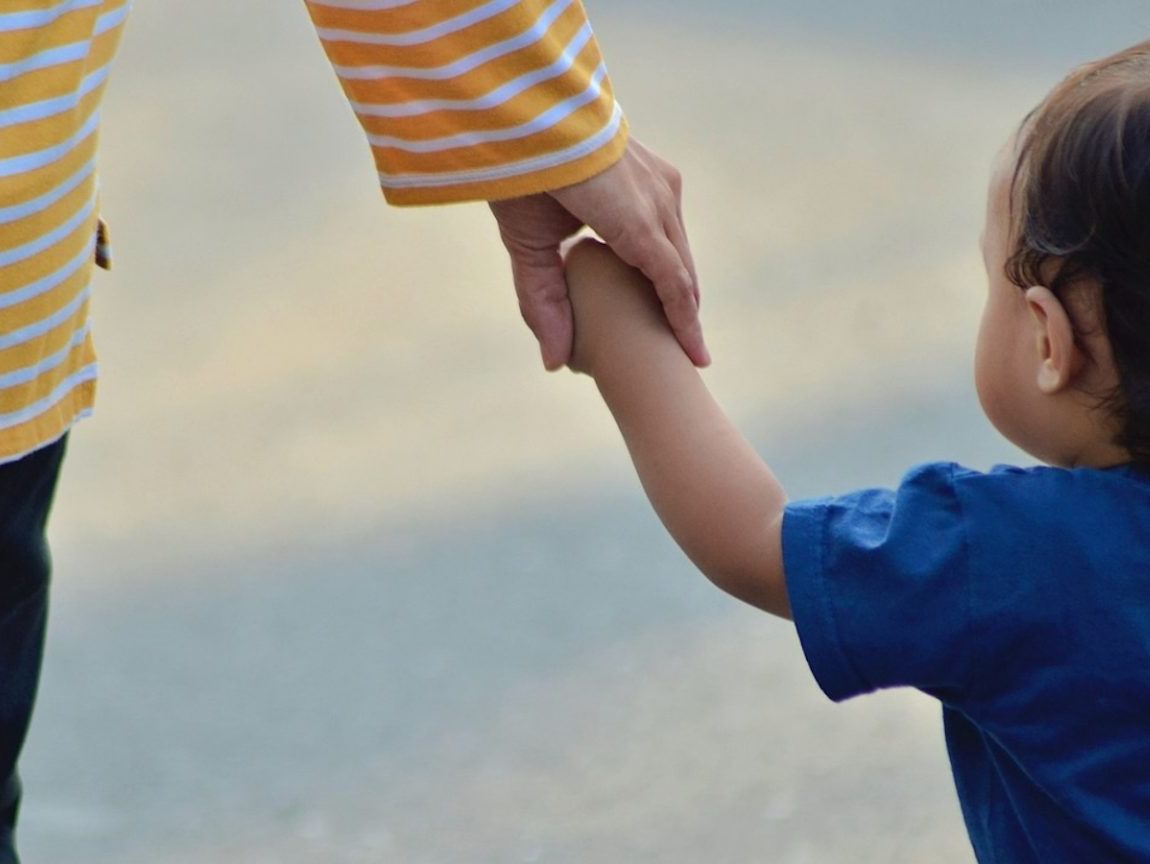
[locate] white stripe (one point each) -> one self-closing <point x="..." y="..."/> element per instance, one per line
<point x="427" y="34"/>
<point x="51" y="107"/>
<point x="489" y="100"/>
<point x="80" y="376"/>
<point x="465" y="64"/>
<point x="28" y="208"/>
<point x="31" y="373"/>
<point x="50" y="239"/>
<point x="42" y="17"/>
<point x="112" y="19"/>
<point x="52" y="57"/>
<point x="511" y="169"/>
<point x="46" y="284"/>
<point x="41" y="158"/>
<point x="363" y="5"/>
<point x="548" y="119"/>
<point x="39" y="328"/>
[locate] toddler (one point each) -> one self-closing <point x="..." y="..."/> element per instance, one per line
<point x="1019" y="598"/>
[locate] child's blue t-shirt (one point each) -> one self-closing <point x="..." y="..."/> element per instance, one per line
<point x="1020" y="599"/>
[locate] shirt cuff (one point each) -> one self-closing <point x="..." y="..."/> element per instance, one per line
<point x="513" y="180"/>
<point x="804" y="540"/>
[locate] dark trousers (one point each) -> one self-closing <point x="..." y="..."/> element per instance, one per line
<point x="26" y="490"/>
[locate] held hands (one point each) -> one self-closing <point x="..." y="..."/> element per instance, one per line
<point x="711" y="490"/>
<point x="617" y="313"/>
<point x="635" y="206"/>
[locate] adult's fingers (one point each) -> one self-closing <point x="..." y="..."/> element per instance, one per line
<point x="661" y="262"/>
<point x="532" y="227"/>
<point x="673" y="222"/>
<point x="677" y="234"/>
<point x="542" y="291"/>
<point x="635" y="206"/>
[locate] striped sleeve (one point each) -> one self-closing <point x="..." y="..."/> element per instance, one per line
<point x="474" y="99"/>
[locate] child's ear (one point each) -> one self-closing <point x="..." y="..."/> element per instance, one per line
<point x="1059" y="357"/>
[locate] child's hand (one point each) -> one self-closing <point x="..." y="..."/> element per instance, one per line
<point x="614" y="305"/>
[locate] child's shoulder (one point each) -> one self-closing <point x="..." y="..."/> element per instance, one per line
<point x="948" y="495"/>
<point x="1029" y="480"/>
<point x="1083" y="506"/>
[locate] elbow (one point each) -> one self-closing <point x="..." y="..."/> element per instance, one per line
<point x="755" y="589"/>
<point x="753" y="574"/>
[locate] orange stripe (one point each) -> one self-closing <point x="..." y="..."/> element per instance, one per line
<point x="512" y="187"/>
<point x="23" y="138"/>
<point x="15" y="398"/>
<point x="579" y="126"/>
<point x="520" y="109"/>
<point x="481" y="80"/>
<point x="430" y="55"/>
<point x="403" y="19"/>
<point x="30" y="227"/>
<point x="29" y="353"/>
<point x="50" y="260"/>
<point x="62" y="79"/>
<point x="75" y="26"/>
<point x="31" y="184"/>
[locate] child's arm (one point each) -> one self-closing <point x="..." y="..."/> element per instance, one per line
<point x="714" y="494"/>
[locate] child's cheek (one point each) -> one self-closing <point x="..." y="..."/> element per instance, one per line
<point x="990" y="373"/>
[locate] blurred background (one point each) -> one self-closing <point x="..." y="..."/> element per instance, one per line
<point x="343" y="576"/>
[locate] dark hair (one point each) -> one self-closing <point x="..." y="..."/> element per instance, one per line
<point x="1081" y="214"/>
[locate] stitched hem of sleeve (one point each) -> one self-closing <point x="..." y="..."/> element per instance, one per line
<point x="803" y="544"/>
<point x="532" y="183"/>
<point x="968" y="592"/>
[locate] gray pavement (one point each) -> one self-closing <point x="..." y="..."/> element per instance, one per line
<point x="547" y="681"/>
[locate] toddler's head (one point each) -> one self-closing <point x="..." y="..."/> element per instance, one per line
<point x="1063" y="359"/>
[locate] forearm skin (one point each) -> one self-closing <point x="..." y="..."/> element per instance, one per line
<point x="711" y="490"/>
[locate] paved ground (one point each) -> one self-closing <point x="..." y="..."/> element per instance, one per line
<point x="343" y="578"/>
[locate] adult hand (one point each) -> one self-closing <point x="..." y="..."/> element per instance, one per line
<point x="636" y="207"/>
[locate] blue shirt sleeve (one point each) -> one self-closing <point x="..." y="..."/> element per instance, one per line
<point x="879" y="585"/>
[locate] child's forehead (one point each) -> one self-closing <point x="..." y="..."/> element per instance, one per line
<point x="1002" y="170"/>
<point x="1005" y="162"/>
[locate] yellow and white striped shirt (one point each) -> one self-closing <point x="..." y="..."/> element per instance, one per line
<point x="460" y="100"/>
